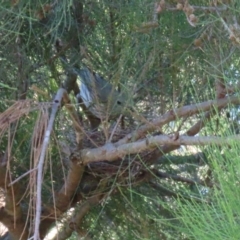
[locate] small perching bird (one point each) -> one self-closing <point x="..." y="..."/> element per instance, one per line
<point x="100" y="97"/>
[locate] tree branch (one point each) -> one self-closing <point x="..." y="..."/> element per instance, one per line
<point x="167" y="192"/>
<point x="110" y="152"/>
<point x="198" y="158"/>
<point x="179" y="178"/>
<point x="172" y="115"/>
<point x="74" y="224"/>
<point x="11" y="215"/>
<point x="56" y="104"/>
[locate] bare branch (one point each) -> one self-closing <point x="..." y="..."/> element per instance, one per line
<point x="74" y="224"/>
<point x="180" y="178"/>
<point x="198" y="158"/>
<point x="172" y="115"/>
<point x="56" y="105"/>
<point x="167" y="192"/>
<point x="72" y="181"/>
<point x="199" y="8"/>
<point x="11" y="215"/>
<point x="22" y="176"/>
<point x="110" y="152"/>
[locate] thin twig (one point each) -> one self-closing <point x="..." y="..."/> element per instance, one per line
<point x="114" y="129"/>
<point x="22" y="176"/>
<point x="178" y="178"/>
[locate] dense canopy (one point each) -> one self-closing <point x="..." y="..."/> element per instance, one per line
<point x="161" y="160"/>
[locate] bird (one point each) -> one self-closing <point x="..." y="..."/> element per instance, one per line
<point x="99" y="97"/>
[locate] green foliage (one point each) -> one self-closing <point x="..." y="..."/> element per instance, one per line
<point x="162" y="67"/>
<point x="217" y="216"/>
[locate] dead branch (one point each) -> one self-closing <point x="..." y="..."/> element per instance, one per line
<point x="74" y="224"/>
<point x="110" y="152"/>
<point x="64" y="196"/>
<point x="172" y="115"/>
<point x="198" y="158"/>
<point x="11" y="215"/>
<point x="56" y="104"/>
<point x="22" y="176"/>
<point x="199" y="8"/>
<point x="232" y="34"/>
<point x="221" y="91"/>
<point x="167" y="192"/>
<point x="13" y="113"/>
<point x="180" y="178"/>
<point x="63" y="199"/>
<point x="79" y="130"/>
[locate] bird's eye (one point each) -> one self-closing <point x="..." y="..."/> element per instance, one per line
<point x="119" y="103"/>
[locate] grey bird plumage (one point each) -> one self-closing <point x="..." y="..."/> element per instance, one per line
<point x="100" y="97"/>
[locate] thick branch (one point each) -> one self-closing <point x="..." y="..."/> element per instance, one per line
<point x="172" y="115"/>
<point x="75" y="224"/>
<point x="72" y="181"/>
<point x="110" y="152"/>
